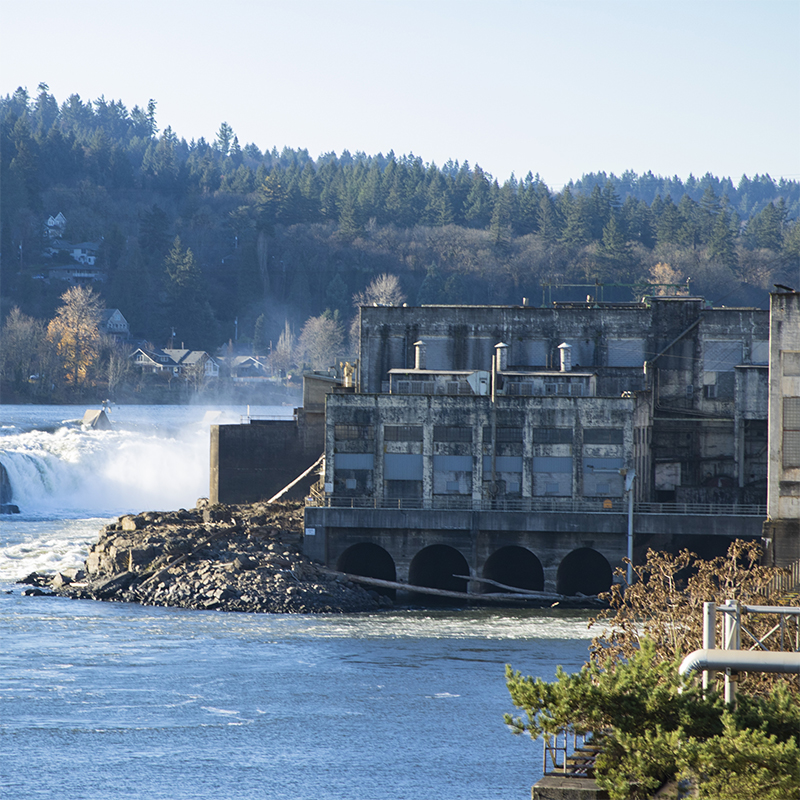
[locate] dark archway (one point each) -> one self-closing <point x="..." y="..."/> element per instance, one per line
<point x="514" y="566"/>
<point x="584" y="571"/>
<point x="436" y="566"/>
<point x="371" y="561"/>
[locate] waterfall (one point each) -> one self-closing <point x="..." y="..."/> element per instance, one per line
<point x="72" y="472"/>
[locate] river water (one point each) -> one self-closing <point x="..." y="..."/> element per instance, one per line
<point x="107" y="700"/>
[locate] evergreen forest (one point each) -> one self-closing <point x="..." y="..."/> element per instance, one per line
<point x="220" y="241"/>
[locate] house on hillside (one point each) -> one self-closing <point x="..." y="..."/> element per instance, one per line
<point x="114" y="324"/>
<point x="84" y="252"/>
<point x="76" y="274"/>
<point x="178" y="362"/>
<point x="248" y="368"/>
<point x="55" y="226"/>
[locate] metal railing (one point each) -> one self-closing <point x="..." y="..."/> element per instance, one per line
<point x="246" y="419"/>
<point x="702" y="509"/>
<point x="786" y="581"/>
<point x="535" y="504"/>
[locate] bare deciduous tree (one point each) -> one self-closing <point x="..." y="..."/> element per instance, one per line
<point x="283" y="356"/>
<point x="384" y="290"/>
<point x="322" y="341"/>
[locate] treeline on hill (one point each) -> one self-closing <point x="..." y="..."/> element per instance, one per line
<point x="288" y="236"/>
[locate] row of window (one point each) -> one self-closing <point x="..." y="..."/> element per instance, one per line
<point x="453" y="433"/>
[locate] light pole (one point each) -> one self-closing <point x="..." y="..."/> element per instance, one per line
<point x="630" y="476"/>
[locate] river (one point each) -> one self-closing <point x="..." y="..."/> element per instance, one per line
<point x="101" y="700"/>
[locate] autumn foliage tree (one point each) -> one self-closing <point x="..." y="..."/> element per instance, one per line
<point x="75" y="333"/>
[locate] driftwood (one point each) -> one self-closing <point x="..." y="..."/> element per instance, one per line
<point x="494" y="597"/>
<point x="516" y="589"/>
<point x="296" y="480"/>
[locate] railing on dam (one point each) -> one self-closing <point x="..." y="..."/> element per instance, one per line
<point x="538" y="504"/>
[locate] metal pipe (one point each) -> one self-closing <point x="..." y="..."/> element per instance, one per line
<point x="676" y="339"/>
<point x="731" y="640"/>
<point x="740" y="660"/>
<point x="709" y="636"/>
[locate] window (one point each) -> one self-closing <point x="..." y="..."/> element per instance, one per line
<point x="502" y="464"/>
<point x="503" y="435"/>
<point x="552" y="464"/>
<point x="602" y="436"/>
<point x="759" y="352"/>
<point x="402" y="467"/>
<point x="626" y="353"/>
<point x="721" y="355"/>
<point x="791" y="431"/>
<point x="402" y="433"/>
<point x="791" y="364"/>
<point x="451" y="433"/>
<point x="407" y="490"/>
<point x="452" y="463"/>
<point x="349" y="432"/>
<point x="353" y="461"/>
<point x="552" y="435"/>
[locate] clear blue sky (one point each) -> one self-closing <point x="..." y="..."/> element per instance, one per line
<point x="558" y="87"/>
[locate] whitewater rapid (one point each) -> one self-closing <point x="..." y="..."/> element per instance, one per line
<point x="69" y="481"/>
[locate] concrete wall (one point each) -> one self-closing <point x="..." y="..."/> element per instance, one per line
<point x="782" y="530"/>
<point x="551" y="537"/>
<point x="583" y="463"/>
<point x="784" y="396"/>
<point x="253" y="462"/>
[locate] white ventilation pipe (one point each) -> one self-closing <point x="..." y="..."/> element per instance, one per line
<point x="565" y="351"/>
<point x="740" y="661"/>
<point x="501" y="353"/>
<point x="420" y="362"/>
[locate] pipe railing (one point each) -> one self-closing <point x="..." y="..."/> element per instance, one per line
<point x="536" y="504"/>
<point x="731" y="659"/>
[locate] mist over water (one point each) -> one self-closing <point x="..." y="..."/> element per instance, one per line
<point x="69" y="481"/>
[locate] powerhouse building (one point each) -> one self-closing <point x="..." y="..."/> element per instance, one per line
<point x="525" y="408"/>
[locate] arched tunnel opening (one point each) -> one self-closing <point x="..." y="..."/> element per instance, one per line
<point x="436" y="567"/>
<point x="371" y="561"/>
<point x="513" y="566"/>
<point x="584" y="571"/>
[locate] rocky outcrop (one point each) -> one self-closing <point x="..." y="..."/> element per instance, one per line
<point x="231" y="558"/>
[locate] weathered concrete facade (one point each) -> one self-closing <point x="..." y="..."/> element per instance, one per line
<point x="438" y="449"/>
<point x="700" y="375"/>
<point x="782" y="529"/>
<point x="494" y="444"/>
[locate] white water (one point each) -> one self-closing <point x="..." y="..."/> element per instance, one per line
<point x="68" y="481"/>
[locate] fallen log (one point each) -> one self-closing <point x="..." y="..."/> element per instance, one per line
<point x="529" y="592"/>
<point x="296" y="480"/>
<point x="493" y="597"/>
